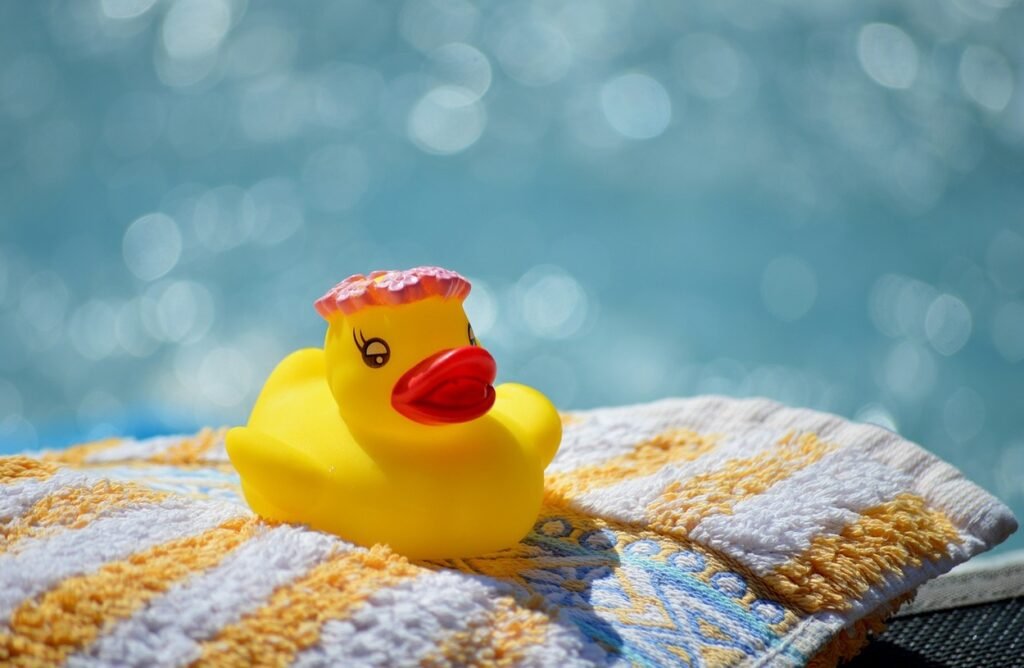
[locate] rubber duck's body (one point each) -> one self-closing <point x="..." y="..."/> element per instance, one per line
<point x="393" y="432"/>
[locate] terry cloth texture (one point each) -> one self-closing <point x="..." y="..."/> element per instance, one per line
<point x="705" y="531"/>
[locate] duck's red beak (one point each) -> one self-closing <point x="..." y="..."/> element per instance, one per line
<point x="451" y="386"/>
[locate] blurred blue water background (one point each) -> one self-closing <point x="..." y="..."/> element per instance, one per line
<point x="822" y="203"/>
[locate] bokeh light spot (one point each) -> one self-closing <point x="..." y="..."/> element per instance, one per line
<point x="636" y="105"/>
<point x="151" y="246"/>
<point x="225" y="376"/>
<point x="910" y="371"/>
<point x="91" y="329"/>
<point x="223" y="218"/>
<point x="126" y="9"/>
<point x="194" y="28"/>
<point x="184" y="312"/>
<point x="887" y="54"/>
<point x="463" y="66"/>
<point x="534" y="54"/>
<point x="552" y="303"/>
<point x="986" y="77"/>
<point x="948" y="324"/>
<point x="446" y="120"/>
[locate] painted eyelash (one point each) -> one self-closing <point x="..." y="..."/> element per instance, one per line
<point x="361" y="346"/>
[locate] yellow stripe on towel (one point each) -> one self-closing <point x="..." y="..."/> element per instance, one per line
<point x="20" y="467"/>
<point x="650" y="456"/>
<point x="74" y="507"/>
<point x="189" y="450"/>
<point x="501" y="640"/>
<point x="291" y="621"/>
<point x="74" y="613"/>
<point x="837" y="569"/>
<point x="683" y="504"/>
<point x="77" y="454"/>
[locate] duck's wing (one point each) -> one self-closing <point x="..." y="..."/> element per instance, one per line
<point x="530" y="415"/>
<point x="280" y="474"/>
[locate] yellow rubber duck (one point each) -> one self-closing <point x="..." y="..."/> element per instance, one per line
<point x="393" y="432"/>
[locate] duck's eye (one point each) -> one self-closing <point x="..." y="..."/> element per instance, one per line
<point x="376" y="351"/>
<point x="472" y="336"/>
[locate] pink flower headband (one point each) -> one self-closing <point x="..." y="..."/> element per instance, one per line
<point x="389" y="288"/>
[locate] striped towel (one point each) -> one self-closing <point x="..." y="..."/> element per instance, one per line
<point x="704" y="531"/>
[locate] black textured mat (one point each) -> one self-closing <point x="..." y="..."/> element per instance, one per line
<point x="991" y="634"/>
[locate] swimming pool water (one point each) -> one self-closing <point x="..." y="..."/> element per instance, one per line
<point x="822" y="205"/>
